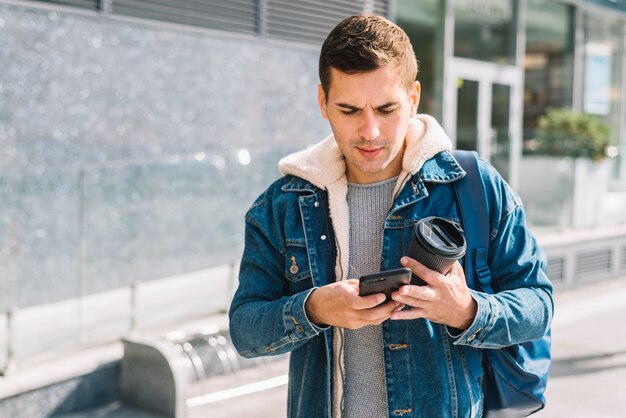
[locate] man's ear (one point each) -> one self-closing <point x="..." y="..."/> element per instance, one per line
<point x="414" y="95"/>
<point x="321" y="101"/>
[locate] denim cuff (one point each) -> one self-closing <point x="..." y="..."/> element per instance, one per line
<point x="472" y="335"/>
<point x="297" y="324"/>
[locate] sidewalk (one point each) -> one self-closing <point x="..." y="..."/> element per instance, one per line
<point x="588" y="377"/>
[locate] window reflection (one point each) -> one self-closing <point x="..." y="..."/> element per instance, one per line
<point x="467" y="115"/>
<point x="422" y="20"/>
<point x="549" y="62"/>
<point x="602" y="74"/>
<point x="500" y="128"/>
<point x="485" y="30"/>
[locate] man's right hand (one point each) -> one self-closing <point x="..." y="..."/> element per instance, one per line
<point x="339" y="304"/>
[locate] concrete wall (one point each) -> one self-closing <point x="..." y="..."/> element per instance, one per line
<point x="121" y="163"/>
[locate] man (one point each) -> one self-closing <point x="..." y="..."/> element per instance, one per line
<point x="347" y="207"/>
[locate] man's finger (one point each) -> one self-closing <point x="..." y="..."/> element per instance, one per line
<point x="421" y="271"/>
<point x="456" y="269"/>
<point x="353" y="283"/>
<point x="367" y="302"/>
<point x="415" y="292"/>
<point x="413" y="313"/>
<point x="382" y="311"/>
<point x="400" y="307"/>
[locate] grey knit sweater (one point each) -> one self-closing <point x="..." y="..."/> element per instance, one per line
<point x="365" y="392"/>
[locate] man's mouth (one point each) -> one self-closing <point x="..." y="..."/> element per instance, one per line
<point x="369" y="152"/>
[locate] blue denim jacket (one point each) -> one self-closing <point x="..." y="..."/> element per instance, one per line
<point x="430" y="370"/>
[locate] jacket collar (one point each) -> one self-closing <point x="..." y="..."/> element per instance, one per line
<point x="298" y="184"/>
<point x="442" y="168"/>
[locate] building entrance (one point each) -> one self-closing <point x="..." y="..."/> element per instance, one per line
<point x="484" y="112"/>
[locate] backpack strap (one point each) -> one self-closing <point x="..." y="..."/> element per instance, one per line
<point x="514" y="377"/>
<point x="470" y="196"/>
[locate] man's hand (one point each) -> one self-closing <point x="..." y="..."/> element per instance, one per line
<point x="445" y="299"/>
<point x="339" y="304"/>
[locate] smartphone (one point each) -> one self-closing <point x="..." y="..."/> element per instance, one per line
<point x="384" y="282"/>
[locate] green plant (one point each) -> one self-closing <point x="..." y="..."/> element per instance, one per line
<point x="565" y="133"/>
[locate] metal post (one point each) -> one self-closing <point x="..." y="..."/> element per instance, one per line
<point x="106" y="6"/>
<point x="392" y="10"/>
<point x="449" y="84"/>
<point x="621" y="135"/>
<point x="517" y="97"/>
<point x="579" y="55"/>
<point x="10" y="364"/>
<point x="82" y="256"/>
<point x="134" y="321"/>
<point x="262" y="17"/>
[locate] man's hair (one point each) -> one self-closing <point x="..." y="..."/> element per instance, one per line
<point x="364" y="43"/>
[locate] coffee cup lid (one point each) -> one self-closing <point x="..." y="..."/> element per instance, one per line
<point x="441" y="237"/>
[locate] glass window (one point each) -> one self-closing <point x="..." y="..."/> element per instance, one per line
<point x="549" y="62"/>
<point x="485" y="30"/>
<point x="614" y="4"/>
<point x="602" y="81"/>
<point x="467" y="115"/>
<point x="422" y="20"/>
<point x="500" y="128"/>
<point x="603" y="68"/>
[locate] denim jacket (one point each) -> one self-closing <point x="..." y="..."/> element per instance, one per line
<point x="430" y="370"/>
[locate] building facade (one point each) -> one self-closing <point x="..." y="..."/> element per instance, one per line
<point x="491" y="68"/>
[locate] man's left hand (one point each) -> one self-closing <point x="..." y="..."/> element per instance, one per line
<point x="444" y="299"/>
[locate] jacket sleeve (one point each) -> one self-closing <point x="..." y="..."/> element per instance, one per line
<point x="265" y="319"/>
<point x="521" y="307"/>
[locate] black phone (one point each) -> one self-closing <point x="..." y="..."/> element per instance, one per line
<point x="384" y="282"/>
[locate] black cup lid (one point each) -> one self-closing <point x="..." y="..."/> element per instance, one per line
<point x="441" y="237"/>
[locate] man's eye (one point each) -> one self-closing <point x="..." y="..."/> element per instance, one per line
<point x="387" y="111"/>
<point x="348" y="112"/>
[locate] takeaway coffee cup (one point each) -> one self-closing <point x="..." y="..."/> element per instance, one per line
<point x="437" y="243"/>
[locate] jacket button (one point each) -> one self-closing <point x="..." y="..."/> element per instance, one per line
<point x="323" y="237"/>
<point x="299" y="329"/>
<point x="316" y="204"/>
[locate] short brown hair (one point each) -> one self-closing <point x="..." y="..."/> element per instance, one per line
<point x="363" y="43"/>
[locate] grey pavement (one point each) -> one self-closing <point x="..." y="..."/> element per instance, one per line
<point x="115" y="410"/>
<point x="588" y="377"/>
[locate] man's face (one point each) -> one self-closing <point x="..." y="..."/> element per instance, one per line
<point x="369" y="115"/>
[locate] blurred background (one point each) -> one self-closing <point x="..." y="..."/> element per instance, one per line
<point x="135" y="134"/>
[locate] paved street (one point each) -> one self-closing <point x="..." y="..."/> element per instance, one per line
<point x="588" y="375"/>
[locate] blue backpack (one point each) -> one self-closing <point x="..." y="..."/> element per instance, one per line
<point x="515" y="377"/>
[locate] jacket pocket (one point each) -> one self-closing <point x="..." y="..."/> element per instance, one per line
<point x="297" y="265"/>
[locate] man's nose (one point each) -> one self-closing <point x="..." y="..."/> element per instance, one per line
<point x="369" y="129"/>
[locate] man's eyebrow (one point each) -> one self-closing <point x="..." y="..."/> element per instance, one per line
<point x="386" y="105"/>
<point x="352" y="107"/>
<point x="347" y="106"/>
